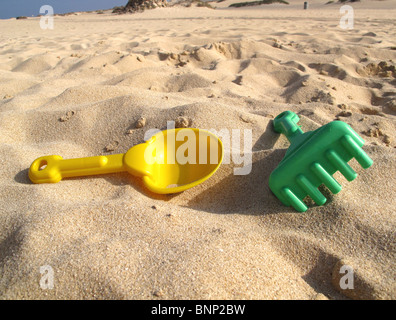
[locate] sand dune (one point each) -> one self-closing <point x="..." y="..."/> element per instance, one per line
<point x="80" y="88"/>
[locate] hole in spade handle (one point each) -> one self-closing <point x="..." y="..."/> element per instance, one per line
<point x="43" y="164"/>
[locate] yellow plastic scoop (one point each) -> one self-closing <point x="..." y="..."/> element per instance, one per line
<point x="169" y="162"/>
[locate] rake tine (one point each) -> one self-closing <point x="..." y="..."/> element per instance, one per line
<point x="357" y="152"/>
<point x="294" y="201"/>
<point x="310" y="189"/>
<point x="341" y="165"/>
<point x="326" y="178"/>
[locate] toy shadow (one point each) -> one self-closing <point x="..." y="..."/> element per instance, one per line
<point x="245" y="194"/>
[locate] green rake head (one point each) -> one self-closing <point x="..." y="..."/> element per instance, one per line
<point x="312" y="158"/>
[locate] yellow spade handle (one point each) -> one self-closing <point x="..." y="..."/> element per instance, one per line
<point x="56" y="168"/>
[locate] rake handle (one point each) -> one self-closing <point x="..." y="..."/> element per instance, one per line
<point x="286" y="123"/>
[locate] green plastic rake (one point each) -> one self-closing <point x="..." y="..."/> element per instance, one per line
<point x="312" y="159"/>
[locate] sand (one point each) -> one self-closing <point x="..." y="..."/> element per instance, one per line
<point x="80" y="89"/>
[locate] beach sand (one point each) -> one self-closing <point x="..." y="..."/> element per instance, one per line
<point x="78" y="90"/>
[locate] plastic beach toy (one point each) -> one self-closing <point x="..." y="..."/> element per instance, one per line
<point x="169" y="162"/>
<point x="312" y="158"/>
